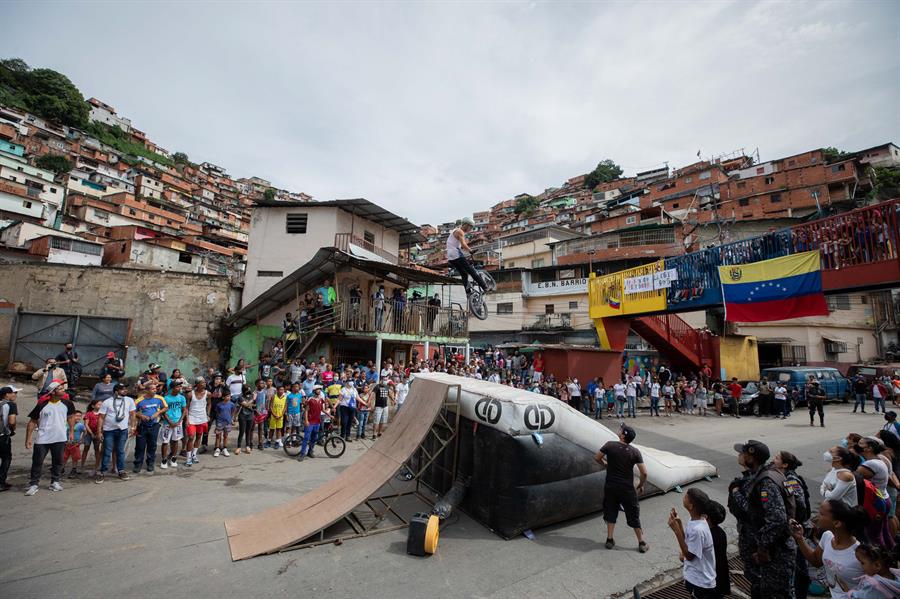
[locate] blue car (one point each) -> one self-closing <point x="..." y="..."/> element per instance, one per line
<point x="835" y="384"/>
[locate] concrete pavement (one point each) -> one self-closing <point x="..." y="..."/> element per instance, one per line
<point x="163" y="534"/>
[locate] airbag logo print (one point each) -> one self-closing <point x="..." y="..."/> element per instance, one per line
<point x="539" y="417"/>
<point x="488" y="410"/>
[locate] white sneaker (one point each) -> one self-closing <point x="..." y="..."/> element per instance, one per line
<point x="225" y="452"/>
<point x="173" y="464"/>
<point x="188" y="461"/>
<point x="195" y="458"/>
<point x="164" y="465"/>
<point x="55" y="487"/>
<point x="32" y="490"/>
<point x="218" y="453"/>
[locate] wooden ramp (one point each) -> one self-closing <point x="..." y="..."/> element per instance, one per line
<point x="288" y="525"/>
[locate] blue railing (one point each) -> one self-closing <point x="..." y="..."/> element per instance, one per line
<point x="862" y="236"/>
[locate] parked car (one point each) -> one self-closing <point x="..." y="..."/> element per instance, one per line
<point x="871" y="371"/>
<point x="836" y="386"/>
<point x="748" y="403"/>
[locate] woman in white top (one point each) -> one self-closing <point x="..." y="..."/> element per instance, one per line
<point x="837" y="547"/>
<point x="839" y="483"/>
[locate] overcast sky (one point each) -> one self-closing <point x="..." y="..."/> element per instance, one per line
<point x="441" y="109"/>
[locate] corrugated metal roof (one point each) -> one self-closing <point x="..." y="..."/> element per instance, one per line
<point x="409" y="232"/>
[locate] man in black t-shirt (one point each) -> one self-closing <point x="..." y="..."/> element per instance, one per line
<point x="620" y="458"/>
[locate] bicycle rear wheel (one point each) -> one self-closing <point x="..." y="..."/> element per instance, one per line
<point x="292" y="444"/>
<point x="335" y="446"/>
<point x="477" y="305"/>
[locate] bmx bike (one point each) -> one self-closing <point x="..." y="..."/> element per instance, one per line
<point x="477" y="305"/>
<point x="329" y="439"/>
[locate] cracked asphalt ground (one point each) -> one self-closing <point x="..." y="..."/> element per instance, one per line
<point x="163" y="534"/>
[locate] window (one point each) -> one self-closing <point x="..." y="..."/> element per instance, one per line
<point x="742" y="184"/>
<point x="549" y="309"/>
<point x="184" y="257"/>
<point x="744" y="202"/>
<point x="269" y="273"/>
<point x="369" y="237"/>
<point x="630" y="220"/>
<point x="26" y="204"/>
<point x="794" y="354"/>
<point x="838" y="168"/>
<point x="674" y="206"/>
<point x="705" y="175"/>
<point x="295" y="223"/>
<point x="505" y="308"/>
<point x="688" y="179"/>
<point x="131" y="211"/>
<point x="791" y="162"/>
<point x="52" y="190"/>
<point x="573" y="305"/>
<point x="775" y="198"/>
<point x="770" y="180"/>
<point x="537" y="263"/>
<point x="838" y="302"/>
<point x="760" y="170"/>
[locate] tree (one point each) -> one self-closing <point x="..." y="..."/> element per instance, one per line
<point x="606" y="170"/>
<point x="44" y="92"/>
<point x="886" y="182"/>
<point x="54" y="162"/>
<point x="180" y="158"/>
<point x="834" y="155"/>
<point x="526" y="205"/>
<point x="269" y="194"/>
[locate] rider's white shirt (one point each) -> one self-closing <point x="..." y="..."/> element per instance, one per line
<point x="454" y="247"/>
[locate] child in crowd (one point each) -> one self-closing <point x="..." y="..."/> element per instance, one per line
<point x="73" y="448"/>
<point x="276" y="417"/>
<point x="715" y="516"/>
<point x="246" y="412"/>
<point x="696" y="544"/>
<point x="260" y="412"/>
<point x="882" y="578"/>
<point x="171" y="431"/>
<point x="92" y="436"/>
<point x="226" y="414"/>
<point x="701" y="396"/>
<point x="294" y="418"/>
<point x="668" y="398"/>
<point x="690" y="389"/>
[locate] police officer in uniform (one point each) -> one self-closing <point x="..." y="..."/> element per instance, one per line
<point x="815" y="401"/>
<point x="760" y="502"/>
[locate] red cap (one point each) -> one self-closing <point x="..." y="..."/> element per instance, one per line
<point x="110" y="355"/>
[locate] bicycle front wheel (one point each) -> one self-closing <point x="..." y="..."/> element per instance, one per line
<point x="335" y="446"/>
<point x="477" y="305"/>
<point x="292" y="444"/>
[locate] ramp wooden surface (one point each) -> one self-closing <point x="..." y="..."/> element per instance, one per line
<point x="285" y="525"/>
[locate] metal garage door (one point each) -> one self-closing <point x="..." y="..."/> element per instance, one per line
<point x="40" y="336"/>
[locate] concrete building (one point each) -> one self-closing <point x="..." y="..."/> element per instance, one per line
<point x="532" y="249"/>
<point x="106" y="114"/>
<point x="59" y="249"/>
<point x="286" y="235"/>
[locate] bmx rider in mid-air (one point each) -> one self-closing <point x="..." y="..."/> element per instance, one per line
<point x="456" y="243"/>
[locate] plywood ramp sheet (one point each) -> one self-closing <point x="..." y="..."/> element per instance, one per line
<point x="285" y="525"/>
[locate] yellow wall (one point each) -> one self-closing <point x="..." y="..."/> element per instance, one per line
<point x="739" y="358"/>
<point x="610" y="287"/>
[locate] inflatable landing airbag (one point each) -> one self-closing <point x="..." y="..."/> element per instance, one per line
<point x="521" y="508"/>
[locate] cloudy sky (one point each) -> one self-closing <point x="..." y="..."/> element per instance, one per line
<point x="435" y="110"/>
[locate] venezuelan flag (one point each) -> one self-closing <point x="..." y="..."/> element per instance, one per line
<point x="777" y="289"/>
